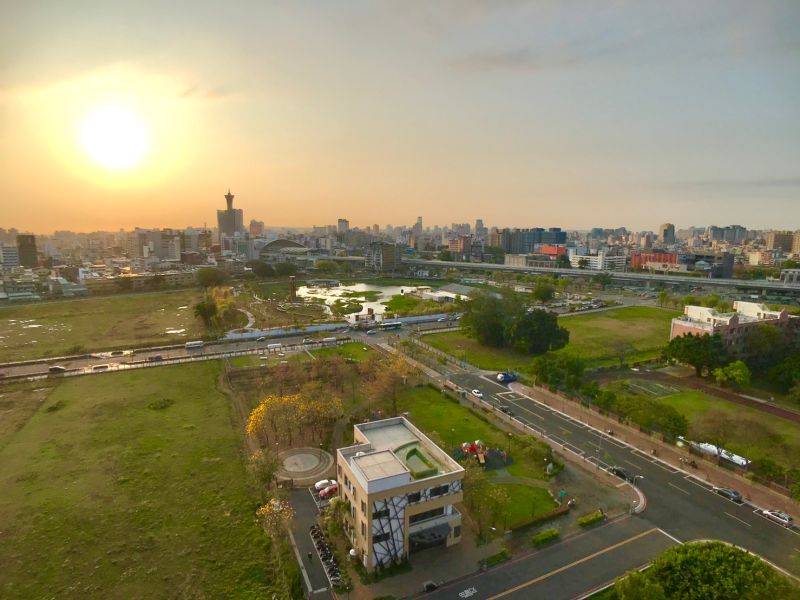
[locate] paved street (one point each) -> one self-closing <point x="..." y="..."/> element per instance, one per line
<point x="680" y="504"/>
<point x="567" y="569"/>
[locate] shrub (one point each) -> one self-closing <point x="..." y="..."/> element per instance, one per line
<point x="495" y="559"/>
<point x="591" y="518"/>
<point x="544" y="537"/>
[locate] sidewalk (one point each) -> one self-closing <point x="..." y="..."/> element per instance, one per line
<point x="718" y="476"/>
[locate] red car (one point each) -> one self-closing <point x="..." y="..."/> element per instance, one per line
<point x="329" y="491"/>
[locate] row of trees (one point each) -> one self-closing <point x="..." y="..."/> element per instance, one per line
<point x="502" y="320"/>
<point x="282" y="419"/>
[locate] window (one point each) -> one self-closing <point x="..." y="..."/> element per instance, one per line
<point x="381" y="514"/>
<point x="363" y="529"/>
<point x="439" y="490"/>
<point x="381" y="537"/>
<point x="339" y="468"/>
<point x="423" y="516"/>
<point x="363" y="507"/>
<point x="347" y="481"/>
<point x="457" y="531"/>
<point x="414" y="497"/>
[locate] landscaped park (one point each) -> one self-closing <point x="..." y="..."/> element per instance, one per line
<point x="629" y="334"/>
<point x="128" y="485"/>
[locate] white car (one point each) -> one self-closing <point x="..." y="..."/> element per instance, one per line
<point x="779" y="517"/>
<point x="477" y="393"/>
<point x="372" y="332"/>
<point x="323" y="483"/>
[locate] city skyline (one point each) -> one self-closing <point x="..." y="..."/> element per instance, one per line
<point x="634" y="114"/>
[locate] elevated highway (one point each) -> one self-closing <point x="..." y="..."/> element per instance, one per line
<point x="759" y="286"/>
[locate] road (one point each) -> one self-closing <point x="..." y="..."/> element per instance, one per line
<point x="678" y="503"/>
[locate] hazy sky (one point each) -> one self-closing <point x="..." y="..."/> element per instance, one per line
<point x="562" y="113"/>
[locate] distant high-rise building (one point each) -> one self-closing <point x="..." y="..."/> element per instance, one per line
<point x="480" y="230"/>
<point x="26" y="249"/>
<point x="9" y="257"/>
<point x="231" y="220"/>
<point x="666" y="233"/>
<point x="382" y="256"/>
<point x="343" y="226"/>
<point x="376" y="230"/>
<point x="780" y="240"/>
<point x="256" y="228"/>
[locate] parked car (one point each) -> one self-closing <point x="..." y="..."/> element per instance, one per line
<point x="57" y="369"/>
<point x="98" y="368"/>
<point x="155" y="358"/>
<point x="308" y="341"/>
<point x="372" y="331"/>
<point x="507" y="410"/>
<point x="442" y="320"/>
<point x="261" y="339"/>
<point x="729" y="493"/>
<point x="621" y="472"/>
<point x="329" y="491"/>
<point x="779" y="517"/>
<point x="477" y="393"/>
<point x="324" y="483"/>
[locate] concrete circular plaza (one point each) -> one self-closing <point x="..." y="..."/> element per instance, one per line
<point x="304" y="466"/>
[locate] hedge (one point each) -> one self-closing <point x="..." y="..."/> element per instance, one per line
<point x="591" y="518"/>
<point x="543" y="537"/>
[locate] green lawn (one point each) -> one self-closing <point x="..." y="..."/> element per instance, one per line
<point x="634" y="332"/>
<point x="526" y="503"/>
<point x="53" y="328"/>
<point x="404" y="305"/>
<point x="352" y="350"/>
<point x="455" y="424"/>
<point x="131" y="485"/>
<point x="750" y="432"/>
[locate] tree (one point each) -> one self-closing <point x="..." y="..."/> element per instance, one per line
<point x="544" y="292"/>
<point x="663" y="297"/>
<point x="444" y="255"/>
<point x="261" y="269"/>
<point x="700" y="351"/>
<point x="558" y="370"/>
<point x="211" y="277"/>
<point x="206" y="310"/>
<point x="786" y="374"/>
<point x="389" y="377"/>
<point x="562" y="262"/>
<point x="262" y="465"/>
<point x="285" y="269"/>
<point x="583" y="263"/>
<point x="327" y="266"/>
<point x="735" y="374"/>
<point x="602" y="279"/>
<point x="275" y="515"/>
<point x="717" y="571"/>
<point x="766" y="346"/>
<point x="636" y="585"/>
<point x="536" y="332"/>
<point x="498" y="254"/>
<point x="485" y="318"/>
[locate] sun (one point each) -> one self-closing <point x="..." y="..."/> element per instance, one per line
<point x="114" y="138"/>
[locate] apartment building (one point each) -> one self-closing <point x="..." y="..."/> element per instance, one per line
<point x="734" y="327"/>
<point x="401" y="489"/>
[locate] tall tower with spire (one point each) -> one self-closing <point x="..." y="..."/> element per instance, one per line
<point x="231" y="220"/>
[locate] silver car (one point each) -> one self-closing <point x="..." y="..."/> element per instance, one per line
<point x="781" y="518"/>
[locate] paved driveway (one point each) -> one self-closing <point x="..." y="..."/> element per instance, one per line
<point x="305" y="511"/>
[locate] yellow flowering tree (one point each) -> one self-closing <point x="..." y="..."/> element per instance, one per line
<point x="275" y="515"/>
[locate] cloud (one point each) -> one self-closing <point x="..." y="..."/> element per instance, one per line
<point x="198" y="91"/>
<point x="758" y="183"/>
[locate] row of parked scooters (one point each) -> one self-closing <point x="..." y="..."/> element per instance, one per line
<point x="326" y="555"/>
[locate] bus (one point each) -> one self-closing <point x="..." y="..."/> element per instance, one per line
<point x="390" y="325"/>
<point x="194" y="345"/>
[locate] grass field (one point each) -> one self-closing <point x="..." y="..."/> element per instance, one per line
<point x="131" y="485"/>
<point x="404" y="305"/>
<point x="750" y="432"/>
<point x="352" y="350"/>
<point x="455" y="424"/>
<point x="634" y="332"/>
<point x="526" y="502"/>
<point x="53" y="328"/>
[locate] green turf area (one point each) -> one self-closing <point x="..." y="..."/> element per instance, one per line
<point x="526" y="502"/>
<point x="404" y="305"/>
<point x="748" y="432"/>
<point x="635" y="332"/>
<point x="56" y="328"/>
<point x="352" y="350"/>
<point x="455" y="424"/>
<point x="131" y="485"/>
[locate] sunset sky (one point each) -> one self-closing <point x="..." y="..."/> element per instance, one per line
<point x="571" y="114"/>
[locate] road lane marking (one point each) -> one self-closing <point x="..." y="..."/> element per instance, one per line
<point x="634" y="465"/>
<point x="572" y="564"/>
<point x="672" y="537"/>
<point x="706" y="486"/>
<point x="680" y="489"/>
<point x="738" y="519"/>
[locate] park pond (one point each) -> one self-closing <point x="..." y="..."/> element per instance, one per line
<point x="367" y="295"/>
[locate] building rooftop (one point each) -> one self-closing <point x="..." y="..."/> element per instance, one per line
<point x="394" y="448"/>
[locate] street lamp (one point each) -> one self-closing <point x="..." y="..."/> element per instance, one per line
<point x="508" y="448"/>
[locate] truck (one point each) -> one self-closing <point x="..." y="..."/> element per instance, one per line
<point x="505" y="377"/>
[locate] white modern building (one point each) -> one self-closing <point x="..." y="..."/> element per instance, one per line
<point x="401" y="489"/>
<point x="598" y="262"/>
